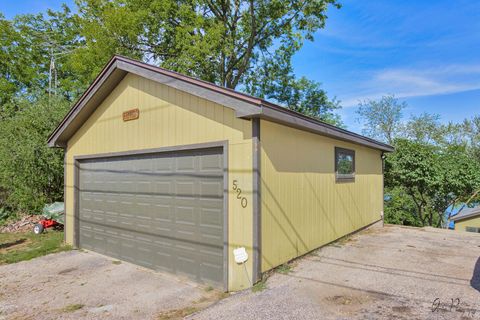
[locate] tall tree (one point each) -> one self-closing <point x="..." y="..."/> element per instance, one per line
<point x="214" y="40"/>
<point x="381" y="119"/>
<point x="434" y="177"/>
<point x="31" y="173"/>
<point x="425" y="128"/>
<point x="236" y="44"/>
<point x="28" y="43"/>
<point x="230" y="43"/>
<point x="10" y="77"/>
<point x="470" y="130"/>
<point x="274" y="79"/>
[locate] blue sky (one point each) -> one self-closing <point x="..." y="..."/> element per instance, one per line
<point x="10" y="8"/>
<point x="425" y="52"/>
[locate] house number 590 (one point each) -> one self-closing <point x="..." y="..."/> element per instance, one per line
<point x="238" y="191"/>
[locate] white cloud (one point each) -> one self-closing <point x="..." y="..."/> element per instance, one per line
<point x="408" y="82"/>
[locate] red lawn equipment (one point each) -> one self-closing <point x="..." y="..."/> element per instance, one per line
<point x="53" y="217"/>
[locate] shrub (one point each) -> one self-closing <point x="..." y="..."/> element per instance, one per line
<point x="31" y="173"/>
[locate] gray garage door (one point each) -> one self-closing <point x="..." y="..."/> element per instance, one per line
<point x="162" y="211"/>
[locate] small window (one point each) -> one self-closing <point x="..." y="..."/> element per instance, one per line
<point x="344" y="164"/>
<point x="472" y="229"/>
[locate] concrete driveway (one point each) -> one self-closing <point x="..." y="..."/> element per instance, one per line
<point x="389" y="273"/>
<point x="86" y="285"/>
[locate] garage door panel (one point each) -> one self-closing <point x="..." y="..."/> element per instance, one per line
<point x="186" y="265"/>
<point x="210" y="231"/>
<point x="163" y="214"/>
<point x="210" y="217"/>
<point x="185" y="163"/>
<point x="162" y="187"/>
<point x="211" y="162"/>
<point x="163" y="165"/>
<point x="95" y="202"/>
<point x="208" y="269"/>
<point x="93" y="239"/>
<point x="184" y="188"/>
<point x="210" y="188"/>
<point x="161" y="211"/>
<point x="210" y="237"/>
<point x="185" y="218"/>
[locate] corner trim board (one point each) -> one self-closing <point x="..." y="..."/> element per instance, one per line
<point x="64" y="190"/>
<point x="257" y="203"/>
<point x="76" y="194"/>
<point x="226" y="242"/>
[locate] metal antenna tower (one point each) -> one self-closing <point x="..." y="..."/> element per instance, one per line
<point x="52" y="74"/>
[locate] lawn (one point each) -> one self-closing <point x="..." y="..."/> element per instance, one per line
<point x="15" y="247"/>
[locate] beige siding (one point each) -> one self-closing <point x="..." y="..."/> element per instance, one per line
<point x="463" y="224"/>
<point x="302" y="205"/>
<point x="169" y="117"/>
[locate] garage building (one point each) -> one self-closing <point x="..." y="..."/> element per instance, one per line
<point x="467" y="220"/>
<point x="174" y="173"/>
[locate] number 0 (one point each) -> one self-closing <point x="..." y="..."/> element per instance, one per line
<point x="244" y="202"/>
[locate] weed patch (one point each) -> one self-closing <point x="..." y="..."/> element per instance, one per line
<point x="73" y="307"/>
<point x="285" y="268"/>
<point x="16" y="247"/>
<point x="205" y="301"/>
<point x="177" y="313"/>
<point x="343" y="241"/>
<point x="260" y="286"/>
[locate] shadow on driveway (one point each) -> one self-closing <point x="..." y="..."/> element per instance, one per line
<point x="475" y="282"/>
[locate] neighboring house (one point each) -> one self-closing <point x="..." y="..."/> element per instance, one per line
<point x="173" y="173"/>
<point x="467" y="220"/>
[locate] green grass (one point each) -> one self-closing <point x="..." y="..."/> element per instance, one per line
<point x="260" y="286"/>
<point x="342" y="241"/>
<point x="73" y="307"/>
<point x="177" y="313"/>
<point x="16" y="247"/>
<point x="284" y="268"/>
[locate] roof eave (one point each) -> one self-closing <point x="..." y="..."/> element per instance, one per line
<point x="54" y="140"/>
<point x="467" y="216"/>
<point x="245" y="106"/>
<point x="293" y="119"/>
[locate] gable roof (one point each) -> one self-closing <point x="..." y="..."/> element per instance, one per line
<point x="467" y="213"/>
<point x="245" y="106"/>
